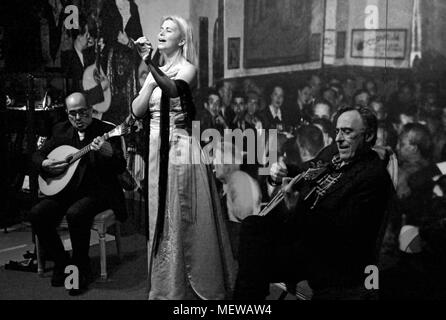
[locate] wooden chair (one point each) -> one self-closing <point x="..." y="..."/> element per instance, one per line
<point x="101" y="223"/>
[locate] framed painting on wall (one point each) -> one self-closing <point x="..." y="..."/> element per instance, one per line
<point x="379" y="43"/>
<point x="276" y="32"/>
<point x="233" y="53"/>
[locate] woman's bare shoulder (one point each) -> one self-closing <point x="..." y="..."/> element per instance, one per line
<point x="188" y="66"/>
<point x="187" y="72"/>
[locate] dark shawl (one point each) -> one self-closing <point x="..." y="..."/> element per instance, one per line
<point x="188" y="107"/>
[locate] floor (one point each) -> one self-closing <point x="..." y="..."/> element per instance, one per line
<point x="127" y="280"/>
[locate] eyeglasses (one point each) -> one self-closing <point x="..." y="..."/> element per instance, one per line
<point x="80" y="112"/>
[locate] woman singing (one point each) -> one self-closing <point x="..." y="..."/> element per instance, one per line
<point x="189" y="250"/>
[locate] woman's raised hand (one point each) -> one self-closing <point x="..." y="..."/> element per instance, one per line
<point x="144" y="47"/>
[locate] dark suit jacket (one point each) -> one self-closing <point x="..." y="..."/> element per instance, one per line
<point x="207" y="121"/>
<point x="338" y="238"/>
<point x="96" y="174"/>
<point x="269" y="122"/>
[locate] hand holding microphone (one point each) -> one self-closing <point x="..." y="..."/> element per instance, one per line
<point x="145" y="48"/>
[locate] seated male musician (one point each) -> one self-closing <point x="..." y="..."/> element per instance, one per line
<point x="329" y="235"/>
<point x="93" y="188"/>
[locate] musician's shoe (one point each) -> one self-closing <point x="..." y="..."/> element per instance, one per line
<point x="58" y="277"/>
<point x="84" y="281"/>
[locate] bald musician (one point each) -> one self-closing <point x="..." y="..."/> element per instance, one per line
<point x="93" y="188"/>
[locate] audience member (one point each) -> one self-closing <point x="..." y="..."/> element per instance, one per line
<point x="211" y="117"/>
<point x="226" y="90"/>
<point x="414" y="154"/>
<point x="275" y="116"/>
<point x="322" y="109"/>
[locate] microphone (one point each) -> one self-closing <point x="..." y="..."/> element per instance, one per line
<point x="148" y="56"/>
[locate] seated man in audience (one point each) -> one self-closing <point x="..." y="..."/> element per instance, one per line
<point x="330" y="95"/>
<point x="414" y="151"/>
<point x="362" y="98"/>
<point x="226" y="90"/>
<point x="402" y="102"/>
<point x="93" y="189"/>
<point x="322" y="109"/>
<point x="371" y="87"/>
<point x="252" y="109"/>
<point x="330" y="233"/>
<point x="275" y="116"/>
<point x="211" y="117"/>
<point x="239" y="108"/>
<point x="302" y="112"/>
<point x="316" y="84"/>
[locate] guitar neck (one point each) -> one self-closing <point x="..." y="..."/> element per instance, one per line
<point x="84" y="150"/>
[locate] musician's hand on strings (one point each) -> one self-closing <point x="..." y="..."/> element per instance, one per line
<point x="123" y="38"/>
<point x="291" y="197"/>
<point x="278" y="171"/>
<point x="101" y="44"/>
<point x="101" y="79"/>
<point x="104" y="147"/>
<point x="54" y="167"/>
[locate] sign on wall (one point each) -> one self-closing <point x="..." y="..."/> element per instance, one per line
<point x="379" y="43"/>
<point x="276" y="32"/>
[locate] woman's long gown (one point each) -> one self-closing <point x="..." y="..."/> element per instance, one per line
<point x="194" y="260"/>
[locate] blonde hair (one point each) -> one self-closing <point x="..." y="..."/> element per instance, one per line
<point x="188" y="49"/>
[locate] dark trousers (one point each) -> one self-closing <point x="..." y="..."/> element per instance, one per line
<point x="270" y="251"/>
<point x="267" y="254"/>
<point x="80" y="211"/>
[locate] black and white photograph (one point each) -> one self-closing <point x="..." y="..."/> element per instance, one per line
<point x="223" y="150"/>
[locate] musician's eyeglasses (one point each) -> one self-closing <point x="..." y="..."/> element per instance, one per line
<point x="80" y="112"/>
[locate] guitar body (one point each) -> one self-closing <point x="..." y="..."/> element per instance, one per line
<point x="53" y="185"/>
<point x="88" y="82"/>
